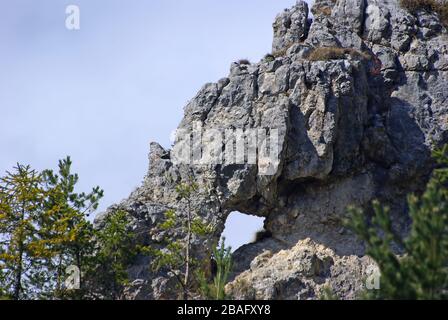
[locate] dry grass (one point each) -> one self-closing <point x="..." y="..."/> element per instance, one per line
<point x="282" y="52"/>
<point x="333" y="53"/>
<point x="325" y="11"/>
<point x="438" y="6"/>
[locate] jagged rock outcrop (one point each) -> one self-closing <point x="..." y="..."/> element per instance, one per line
<point x="350" y="130"/>
<point x="300" y="273"/>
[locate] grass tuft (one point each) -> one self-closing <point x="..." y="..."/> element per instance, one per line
<point x="334" y="53"/>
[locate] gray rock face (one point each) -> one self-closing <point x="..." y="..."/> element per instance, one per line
<point x="291" y="26"/>
<point x="350" y="14"/>
<point x="349" y="130"/>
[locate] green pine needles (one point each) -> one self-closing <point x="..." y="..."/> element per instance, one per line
<point x="175" y="255"/>
<point x="215" y="290"/>
<point x="45" y="230"/>
<point x="421" y="271"/>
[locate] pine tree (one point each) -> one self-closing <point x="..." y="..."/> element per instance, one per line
<point x="43" y="230"/>
<point x="421" y="272"/>
<point x="175" y="256"/>
<point x="222" y="256"/>
<point x="65" y="230"/>
<point x="115" y="251"/>
<point x="21" y="197"/>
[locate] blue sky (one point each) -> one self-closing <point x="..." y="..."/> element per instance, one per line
<point x="102" y="93"/>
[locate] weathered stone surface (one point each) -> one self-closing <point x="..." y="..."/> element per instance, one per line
<point x="350" y="13"/>
<point x="350" y="130"/>
<point x="302" y="272"/>
<point x="290" y="26"/>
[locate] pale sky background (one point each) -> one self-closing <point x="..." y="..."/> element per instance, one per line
<point x="102" y="93"/>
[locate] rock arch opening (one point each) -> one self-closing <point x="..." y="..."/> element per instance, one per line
<point x="241" y="229"/>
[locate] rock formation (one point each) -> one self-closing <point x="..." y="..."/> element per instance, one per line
<point x="353" y="128"/>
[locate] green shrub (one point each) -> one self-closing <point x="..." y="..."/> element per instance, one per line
<point x="175" y="255"/>
<point x="269" y="57"/>
<point x="421" y="272"/>
<point x="216" y="290"/>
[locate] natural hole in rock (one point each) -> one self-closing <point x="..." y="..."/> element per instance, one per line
<point x="241" y="229"/>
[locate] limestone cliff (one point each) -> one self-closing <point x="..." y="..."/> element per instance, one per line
<point x="353" y="125"/>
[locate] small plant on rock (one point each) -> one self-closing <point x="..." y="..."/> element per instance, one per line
<point x="175" y="256"/>
<point x="222" y="256"/>
<point x="421" y="272"/>
<point x="269" y="57"/>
